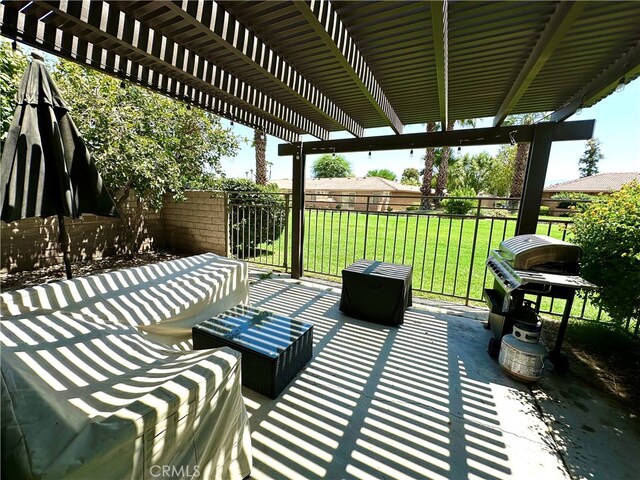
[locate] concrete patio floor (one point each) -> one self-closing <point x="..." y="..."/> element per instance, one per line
<point x="424" y="400"/>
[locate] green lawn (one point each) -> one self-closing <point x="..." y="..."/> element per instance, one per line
<point x="440" y="248"/>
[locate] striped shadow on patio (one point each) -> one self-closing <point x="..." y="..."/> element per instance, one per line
<point x="420" y="401"/>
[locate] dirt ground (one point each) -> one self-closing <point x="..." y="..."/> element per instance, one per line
<point x="55" y="273"/>
<point x="605" y="360"/>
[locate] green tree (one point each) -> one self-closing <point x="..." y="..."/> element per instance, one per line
<point x="484" y="173"/>
<point x="500" y="176"/>
<point x="588" y="163"/>
<point x="260" y="146"/>
<point x="137" y="149"/>
<point x="436" y="159"/>
<point x="410" y="176"/>
<point x="331" y="166"/>
<point x="471" y="172"/>
<point x="12" y="67"/>
<point x="443" y="168"/>
<point x="608" y="232"/>
<point x="382" y="173"/>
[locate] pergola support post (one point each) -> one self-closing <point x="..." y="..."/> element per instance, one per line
<point x="536" y="173"/>
<point x="297" y="212"/>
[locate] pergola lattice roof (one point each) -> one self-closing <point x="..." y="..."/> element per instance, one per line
<point x="311" y="67"/>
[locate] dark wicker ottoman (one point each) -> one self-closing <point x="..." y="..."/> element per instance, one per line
<point x="376" y="291"/>
<point x="274" y="347"/>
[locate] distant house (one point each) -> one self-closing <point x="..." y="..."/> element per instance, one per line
<point x="594" y="184"/>
<point x="356" y="193"/>
<point x="598" y="184"/>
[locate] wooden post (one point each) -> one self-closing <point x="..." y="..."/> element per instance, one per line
<point x="534" y="180"/>
<point x="297" y="212"/>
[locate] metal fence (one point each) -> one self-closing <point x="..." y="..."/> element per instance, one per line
<point x="259" y="227"/>
<point x="446" y="250"/>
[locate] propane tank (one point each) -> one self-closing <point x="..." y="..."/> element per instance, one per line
<point x="526" y="332"/>
<point x="521" y="354"/>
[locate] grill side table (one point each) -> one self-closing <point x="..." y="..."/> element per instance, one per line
<point x="274" y="347"/>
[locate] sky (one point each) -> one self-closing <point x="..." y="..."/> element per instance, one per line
<point x="617" y="127"/>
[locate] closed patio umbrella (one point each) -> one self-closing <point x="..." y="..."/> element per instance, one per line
<point x="46" y="168"/>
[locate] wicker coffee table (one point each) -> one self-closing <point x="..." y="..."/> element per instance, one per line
<point x="274" y="347"/>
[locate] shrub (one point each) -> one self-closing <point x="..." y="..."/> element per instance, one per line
<point x="574" y="200"/>
<point x="460" y="206"/>
<point x="544" y="210"/>
<point x="609" y="232"/>
<point x="257" y="214"/>
<point x="495" y="212"/>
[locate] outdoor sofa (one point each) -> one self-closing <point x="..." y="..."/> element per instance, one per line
<point x="99" y="380"/>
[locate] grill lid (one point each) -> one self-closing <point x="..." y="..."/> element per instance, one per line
<point x="526" y="251"/>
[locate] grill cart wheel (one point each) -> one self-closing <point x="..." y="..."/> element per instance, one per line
<point x="560" y="362"/>
<point x="494" y="348"/>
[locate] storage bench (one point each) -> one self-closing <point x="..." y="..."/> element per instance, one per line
<point x="376" y="291"/>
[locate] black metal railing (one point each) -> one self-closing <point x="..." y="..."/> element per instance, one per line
<point x="447" y="246"/>
<point x="258" y="226"/>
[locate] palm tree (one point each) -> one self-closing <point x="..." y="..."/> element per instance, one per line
<point x="260" y="145"/>
<point x="519" y="169"/>
<point x="443" y="170"/>
<point x="429" y="157"/>
<point x="522" y="156"/>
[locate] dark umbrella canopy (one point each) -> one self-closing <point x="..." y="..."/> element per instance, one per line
<point x="46" y="168"/>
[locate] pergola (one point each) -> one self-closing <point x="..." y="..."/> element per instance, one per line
<point x="316" y="67"/>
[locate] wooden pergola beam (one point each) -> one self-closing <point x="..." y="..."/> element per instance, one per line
<point x="564" y="131"/>
<point x="151" y="60"/>
<point x="221" y="28"/>
<point x="324" y="20"/>
<point x="440" y="27"/>
<point x="134" y="41"/>
<point x="557" y="26"/>
<point x="622" y="70"/>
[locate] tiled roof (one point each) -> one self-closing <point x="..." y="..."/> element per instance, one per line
<point x="601" y="182"/>
<point x="350" y="184"/>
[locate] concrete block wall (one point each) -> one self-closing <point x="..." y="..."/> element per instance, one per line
<point x="196" y="225"/>
<point x="33" y="242"/>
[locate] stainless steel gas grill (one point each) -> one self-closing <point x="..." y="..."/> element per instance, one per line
<point x="531" y="264"/>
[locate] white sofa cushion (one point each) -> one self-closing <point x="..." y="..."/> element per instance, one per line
<point x="88" y="392"/>
<point x="164" y="300"/>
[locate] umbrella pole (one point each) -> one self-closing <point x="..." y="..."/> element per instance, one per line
<point x="64" y="245"/>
